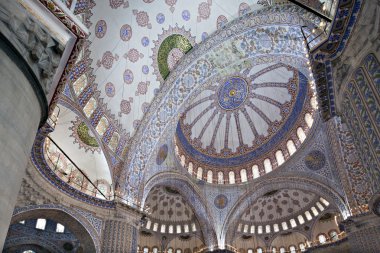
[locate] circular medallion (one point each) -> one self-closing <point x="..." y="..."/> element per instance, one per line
<point x="100" y="29"/>
<point x="160" y="18"/>
<point x="162" y="154"/>
<point x="110" y="89"/>
<point x="145" y="41"/>
<point x="232" y="93"/>
<point x="125" y="32"/>
<point x="221" y="201"/>
<point x="315" y="160"/>
<point x="128" y="76"/>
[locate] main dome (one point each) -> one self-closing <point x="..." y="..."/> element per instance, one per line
<point x="249" y="122"/>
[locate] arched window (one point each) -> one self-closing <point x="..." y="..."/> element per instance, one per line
<point x="250" y="251"/>
<point x="292" y="249"/>
<point x="274" y="250"/>
<point x="267" y="165"/>
<point x="276" y="228"/>
<point x="301" y="220"/>
<point x="252" y="229"/>
<point x="60" y="228"/>
<point x="28" y="251"/>
<point x="231" y="177"/>
<point x="293" y="223"/>
<point x="41" y="224"/>
<point x="284" y="225"/>
<point x="209" y="176"/>
<point x="314" y="102"/>
<point x="148" y="224"/>
<point x="259" y="250"/>
<point x="146" y="250"/>
<point x="220" y="177"/>
<point x="309" y="119"/>
<point x="259" y="229"/>
<point x="280" y="157"/>
<point x="239" y="227"/>
<point x="178" y="251"/>
<point x="183" y="160"/>
<point x="291" y="147"/>
<point x="267" y="229"/>
<point x="322" y="238"/>
<point x="155" y="250"/>
<point x="325" y="202"/>
<point x="255" y="171"/>
<point x="90" y="107"/>
<point x="190" y="168"/>
<point x="301" y="134"/>
<point x="22" y="222"/>
<point x="308" y="215"/>
<point x="315" y="211"/>
<point x="170" y="250"/>
<point x="302" y="247"/>
<point x="200" y="173"/>
<point x="282" y="250"/>
<point x="155" y="227"/>
<point x="245" y="230"/>
<point x="171" y="230"/>
<point x="102" y="126"/>
<point x="80" y="84"/>
<point x="186" y="228"/>
<point x="163" y="228"/>
<point x="243" y="175"/>
<point x="319" y="205"/>
<point x="179" y="230"/>
<point x="193" y="227"/>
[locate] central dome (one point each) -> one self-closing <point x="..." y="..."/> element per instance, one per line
<point x="242" y="119"/>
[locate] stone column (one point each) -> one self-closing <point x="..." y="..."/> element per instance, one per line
<point x="29" y="57"/>
<point x="20" y="114"/>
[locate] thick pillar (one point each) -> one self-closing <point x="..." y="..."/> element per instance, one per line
<point x="363" y="232"/>
<point x="119" y="237"/>
<point x="29" y="57"/>
<point x="20" y="114"/>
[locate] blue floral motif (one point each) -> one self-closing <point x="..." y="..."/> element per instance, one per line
<point x="186" y="15"/>
<point x="145" y="41"/>
<point x="232" y="93"/>
<point x="204" y="36"/>
<point x="145" y="69"/>
<point x="160" y="18"/>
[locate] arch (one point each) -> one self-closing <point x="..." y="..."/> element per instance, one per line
<point x="84" y="231"/>
<point x="173" y="102"/>
<point x="191" y="194"/>
<point x="291" y="181"/>
<point x="30" y="242"/>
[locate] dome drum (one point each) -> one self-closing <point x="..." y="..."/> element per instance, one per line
<point x="276" y="116"/>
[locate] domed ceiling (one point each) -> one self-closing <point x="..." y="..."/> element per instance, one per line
<point x="244" y="118"/>
<point x="169" y="212"/>
<point x="281" y="210"/>
<point x="135" y="45"/>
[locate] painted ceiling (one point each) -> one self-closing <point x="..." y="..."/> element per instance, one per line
<point x="167" y="207"/>
<point x="281" y="210"/>
<point x="75" y="139"/>
<point x="135" y="44"/>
